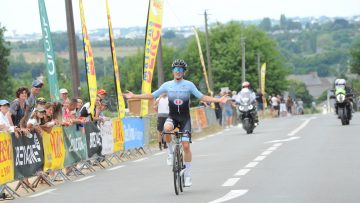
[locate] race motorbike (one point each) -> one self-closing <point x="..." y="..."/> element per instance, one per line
<point x="247" y="111"/>
<point x="343" y="106"/>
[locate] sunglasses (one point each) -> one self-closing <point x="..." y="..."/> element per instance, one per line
<point x="178" y="70"/>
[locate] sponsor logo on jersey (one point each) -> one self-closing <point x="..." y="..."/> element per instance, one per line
<point x="178" y="101"/>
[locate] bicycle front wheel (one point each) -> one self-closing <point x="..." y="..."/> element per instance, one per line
<point x="176" y="170"/>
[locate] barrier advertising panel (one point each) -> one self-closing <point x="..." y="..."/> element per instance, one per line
<point x="54" y="150"/>
<point x="93" y="139"/>
<point x="134" y="132"/>
<point x="6" y="158"/>
<point x="75" y="145"/>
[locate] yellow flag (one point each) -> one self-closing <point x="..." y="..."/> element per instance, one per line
<point x="153" y="33"/>
<point x="120" y="98"/>
<point x="89" y="62"/>
<point x="262" y="88"/>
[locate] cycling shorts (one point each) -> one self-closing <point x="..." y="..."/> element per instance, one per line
<point x="184" y="125"/>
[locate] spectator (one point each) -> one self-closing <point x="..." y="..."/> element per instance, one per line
<point x="37" y="118"/>
<point x="85" y="110"/>
<point x="289" y="105"/>
<point x="282" y="108"/>
<point x="48" y="118"/>
<point x="218" y="109"/>
<point x="64" y="95"/>
<point x="31" y="101"/>
<point x="40" y="102"/>
<point x="275" y="106"/>
<point x="4" y="122"/>
<point x="102" y="93"/>
<point x="18" y="107"/>
<point x="228" y="111"/>
<point x="161" y="105"/>
<point x="260" y="102"/>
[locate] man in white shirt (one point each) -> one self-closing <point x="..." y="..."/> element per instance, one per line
<point x="4" y="122"/>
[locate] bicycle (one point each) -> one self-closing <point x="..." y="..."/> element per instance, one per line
<point x="178" y="160"/>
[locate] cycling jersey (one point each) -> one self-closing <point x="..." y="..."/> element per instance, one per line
<point x="179" y="96"/>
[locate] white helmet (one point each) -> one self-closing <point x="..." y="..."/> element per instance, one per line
<point x="340" y="82"/>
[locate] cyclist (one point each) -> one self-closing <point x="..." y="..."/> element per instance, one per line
<point x="178" y="91"/>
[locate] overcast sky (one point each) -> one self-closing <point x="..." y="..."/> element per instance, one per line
<point x="23" y="15"/>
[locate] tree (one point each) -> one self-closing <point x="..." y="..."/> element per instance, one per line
<point x="226" y="58"/>
<point x="6" y="90"/>
<point x="265" y="24"/>
<point x="300" y="91"/>
<point x="283" y="22"/>
<point x="355" y="58"/>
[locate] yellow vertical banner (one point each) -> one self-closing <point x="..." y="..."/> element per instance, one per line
<point x="202" y="62"/>
<point x="153" y="34"/>
<point x="120" y="98"/>
<point x="54" y="149"/>
<point x="6" y="158"/>
<point x="89" y="61"/>
<point x="118" y="133"/>
<point x="262" y="88"/>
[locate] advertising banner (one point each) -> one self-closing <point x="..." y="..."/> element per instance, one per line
<point x="54" y="149"/>
<point x="75" y="145"/>
<point x="89" y="62"/>
<point x="118" y="133"/>
<point x="6" y="158"/>
<point x="201" y="117"/>
<point x="153" y="34"/>
<point x="134" y="132"/>
<point x="28" y="154"/>
<point x="262" y="88"/>
<point x="107" y="137"/>
<point x="120" y="98"/>
<point x="49" y="53"/>
<point x="93" y="140"/>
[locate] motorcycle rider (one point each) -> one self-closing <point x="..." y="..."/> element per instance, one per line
<point x="340" y="84"/>
<point x="246" y="88"/>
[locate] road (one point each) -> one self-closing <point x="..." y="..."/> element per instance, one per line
<point x="308" y="158"/>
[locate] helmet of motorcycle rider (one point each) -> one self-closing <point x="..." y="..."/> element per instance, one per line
<point x="179" y="63"/>
<point x="246" y="84"/>
<point x="340" y="83"/>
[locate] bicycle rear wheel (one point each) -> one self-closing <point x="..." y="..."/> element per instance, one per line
<point x="176" y="171"/>
<point x="181" y="175"/>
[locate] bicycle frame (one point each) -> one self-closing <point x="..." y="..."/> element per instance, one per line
<point x="178" y="161"/>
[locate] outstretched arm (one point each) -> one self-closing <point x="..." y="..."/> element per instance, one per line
<point x="130" y="95"/>
<point x="206" y="98"/>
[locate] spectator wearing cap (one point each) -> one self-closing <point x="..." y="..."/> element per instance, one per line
<point x="37" y="118"/>
<point x="31" y="101"/>
<point x="4" y="121"/>
<point x="102" y="93"/>
<point x="18" y="107"/>
<point x="64" y="95"/>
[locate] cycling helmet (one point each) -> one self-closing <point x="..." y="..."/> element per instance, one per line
<point x="179" y="63"/>
<point x="246" y="84"/>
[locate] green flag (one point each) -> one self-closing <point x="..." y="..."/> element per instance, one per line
<point x="49" y="53"/>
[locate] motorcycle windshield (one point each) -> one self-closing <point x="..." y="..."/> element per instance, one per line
<point x="245" y="98"/>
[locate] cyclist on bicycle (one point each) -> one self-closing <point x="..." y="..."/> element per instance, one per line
<point x="178" y="91"/>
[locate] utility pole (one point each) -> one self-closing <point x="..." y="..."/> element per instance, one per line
<point x="160" y="64"/>
<point x="242" y="44"/>
<point x="258" y="63"/>
<point x="208" y="58"/>
<point x="72" y="49"/>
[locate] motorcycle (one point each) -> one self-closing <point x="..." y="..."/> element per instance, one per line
<point x="343" y="106"/>
<point x="247" y="110"/>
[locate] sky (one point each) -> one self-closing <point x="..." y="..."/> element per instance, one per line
<point x="22" y="16"/>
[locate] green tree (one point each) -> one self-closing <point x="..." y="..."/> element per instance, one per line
<point x="226" y="58"/>
<point x="5" y="81"/>
<point x="265" y="24"/>
<point x="355" y="58"/>
<point x="300" y="91"/>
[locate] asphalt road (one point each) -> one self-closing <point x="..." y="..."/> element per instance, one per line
<point x="293" y="159"/>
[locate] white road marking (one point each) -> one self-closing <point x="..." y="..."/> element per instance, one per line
<point x="242" y="172"/>
<point x="83" y="179"/>
<point x="284" y="140"/>
<point x="292" y="133"/>
<point x="230" y="182"/>
<point x="259" y="158"/>
<point x="201" y="139"/>
<point x="277" y="144"/>
<point x="213" y="135"/>
<point x="42" y="193"/>
<point x="115" y="168"/>
<point x="231" y="195"/>
<point x="139" y="160"/>
<point x="266" y="153"/>
<point x="271" y="149"/>
<point x="159" y="153"/>
<point x="251" y="164"/>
